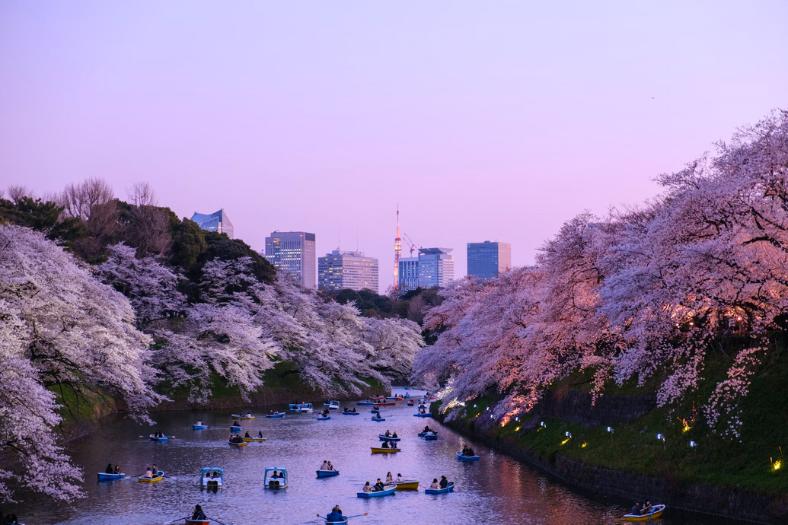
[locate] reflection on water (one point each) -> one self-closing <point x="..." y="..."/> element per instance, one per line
<point x="495" y="490"/>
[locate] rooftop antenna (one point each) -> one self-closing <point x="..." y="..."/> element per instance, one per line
<point x="397" y="252"/>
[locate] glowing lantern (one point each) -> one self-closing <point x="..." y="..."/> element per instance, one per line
<point x="568" y="434"/>
<point x="660" y="437"/>
<point x="777" y="464"/>
<point x="610" y="430"/>
<point x="565" y="441"/>
<point x="685" y="426"/>
<point x="693" y="444"/>
<point x="584" y="444"/>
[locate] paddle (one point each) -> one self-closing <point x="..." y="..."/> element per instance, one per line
<point x="177" y="519"/>
<point x="346" y="517"/>
<point x="217" y="521"/>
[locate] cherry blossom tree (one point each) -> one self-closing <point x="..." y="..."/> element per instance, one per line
<point x="59" y="327"/>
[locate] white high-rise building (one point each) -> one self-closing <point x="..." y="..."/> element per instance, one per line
<point x="339" y="270"/>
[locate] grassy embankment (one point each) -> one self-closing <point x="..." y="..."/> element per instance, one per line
<point x="634" y="446"/>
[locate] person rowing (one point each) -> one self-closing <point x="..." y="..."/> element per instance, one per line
<point x="378" y="486"/>
<point x="109" y="469"/>
<point x="198" y="513"/>
<point x="246" y="435"/>
<point x="443" y="482"/>
<point x="335" y="516"/>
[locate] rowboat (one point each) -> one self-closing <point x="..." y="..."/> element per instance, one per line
<point x="161" y="439"/>
<point x="300" y="408"/>
<point x="422" y="414"/>
<point x="240" y="444"/>
<point x="327" y="473"/>
<point x="107" y="476"/>
<point x="199" y="426"/>
<point x="407" y="484"/>
<point x="384" y="437"/>
<point x="381" y="450"/>
<point x="340" y="521"/>
<point x="378" y="419"/>
<point x="653" y="513"/>
<point x="190" y="521"/>
<point x="243" y="416"/>
<point x="254" y="439"/>
<point x="449" y="488"/>
<point x="235" y="429"/>
<point x="465" y="458"/>
<point x="323" y="418"/>
<point x="275" y="478"/>
<point x="349" y="413"/>
<point x="275" y="415"/>
<point x="155" y="479"/>
<point x="365" y="403"/>
<point x="430" y="436"/>
<point x="332" y="404"/>
<point x="388" y="490"/>
<point x="384" y="404"/>
<point x="424" y="433"/>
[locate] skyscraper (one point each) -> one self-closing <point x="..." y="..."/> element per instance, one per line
<point x="337" y="270"/>
<point x="433" y="267"/>
<point x="294" y="253"/>
<point x="488" y="259"/>
<point x="214" y="222"/>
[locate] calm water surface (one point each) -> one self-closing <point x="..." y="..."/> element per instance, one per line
<point x="495" y="490"/>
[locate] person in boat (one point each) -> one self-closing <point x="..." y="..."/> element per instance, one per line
<point x="198" y="513"/>
<point x="335" y="515"/>
<point x="378" y="486"/>
<point x="149" y="473"/>
<point x="427" y="429"/>
<point x="387" y="434"/>
<point x="394" y="435"/>
<point x="646" y="507"/>
<point x="635" y="510"/>
<point x="330" y="466"/>
<point x="236" y="424"/>
<point x="260" y="434"/>
<point x="385" y="444"/>
<point x="434" y="484"/>
<point x="109" y="469"/>
<point x="324" y="466"/>
<point x="116" y="470"/>
<point x="246" y="434"/>
<point x="389" y="478"/>
<point x="443" y="482"/>
<point x="367" y="487"/>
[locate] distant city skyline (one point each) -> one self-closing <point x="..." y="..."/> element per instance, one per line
<point x="499" y="122"/>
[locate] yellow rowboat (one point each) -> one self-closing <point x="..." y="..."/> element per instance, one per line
<point x="241" y="444"/>
<point x="381" y="450"/>
<point x="143" y="479"/>
<point x="408" y="484"/>
<point x="254" y="440"/>
<point x="655" y="512"/>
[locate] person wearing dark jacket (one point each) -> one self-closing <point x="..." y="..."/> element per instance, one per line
<point x="335" y="515"/>
<point x="198" y="513"/>
<point x="444" y="482"/>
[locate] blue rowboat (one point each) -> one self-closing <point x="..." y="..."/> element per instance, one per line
<point x="350" y="413"/>
<point x="430" y="436"/>
<point x="235" y="429"/>
<point x="419" y="414"/>
<point x="105" y="476"/>
<point x="462" y="457"/>
<point x="449" y="488"/>
<point x="199" y="427"/>
<point x="384" y="437"/>
<point x="388" y="490"/>
<point x="275" y="415"/>
<point x="323" y="418"/>
<point x="327" y="473"/>
<point x="378" y="419"/>
<point x="162" y="439"/>
<point x="365" y="403"/>
<point x="422" y="434"/>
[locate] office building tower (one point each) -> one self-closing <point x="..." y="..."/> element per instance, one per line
<point x="489" y="259"/>
<point x="408" y="274"/>
<point x="433" y="267"/>
<point x="214" y="222"/>
<point x="294" y="253"/>
<point x="338" y="270"/>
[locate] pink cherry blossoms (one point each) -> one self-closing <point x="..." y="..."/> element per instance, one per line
<point x="641" y="293"/>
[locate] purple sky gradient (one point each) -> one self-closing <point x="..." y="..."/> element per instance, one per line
<point x="483" y="120"/>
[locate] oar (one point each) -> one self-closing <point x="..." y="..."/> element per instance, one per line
<point x="177" y="519"/>
<point x="217" y="521"/>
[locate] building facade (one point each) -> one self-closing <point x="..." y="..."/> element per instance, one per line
<point x="214" y="222"/>
<point x="433" y="267"/>
<point x="338" y="270"/>
<point x="489" y="259"/>
<point x="294" y="253"/>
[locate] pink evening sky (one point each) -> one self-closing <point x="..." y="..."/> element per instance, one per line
<point x="483" y="120"/>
